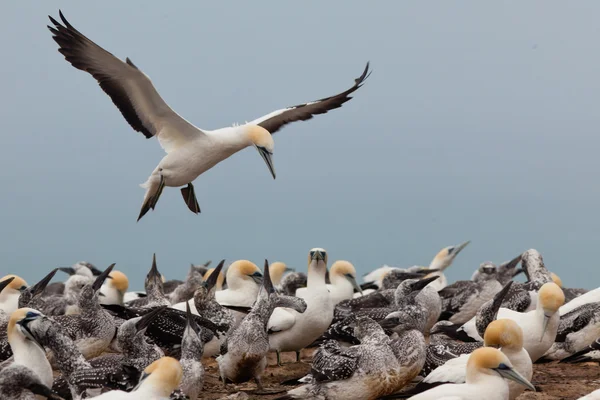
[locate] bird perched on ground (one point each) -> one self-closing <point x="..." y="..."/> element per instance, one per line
<point x="244" y="353"/>
<point x="190" y="151"/>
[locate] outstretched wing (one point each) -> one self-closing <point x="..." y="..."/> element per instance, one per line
<point x="302" y="112"/>
<point x="129" y="88"/>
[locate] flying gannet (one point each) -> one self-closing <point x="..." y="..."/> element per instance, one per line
<point x="190" y="151"/>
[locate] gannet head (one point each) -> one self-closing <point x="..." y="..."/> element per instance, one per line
<point x="90" y="292"/>
<point x="262" y="140"/>
<point x="344" y="270"/>
<point x="444" y="258"/>
<point x="317" y="261"/>
<point x="277" y="270"/>
<point x="503" y="333"/>
<point x="17" y="324"/>
<point x="32" y="292"/>
<point x="75" y="284"/>
<point x="163" y="375"/>
<point x="487" y="268"/>
<point x="154" y="280"/>
<point x="550" y="299"/>
<point x="118" y="280"/>
<point x="365" y="326"/>
<point x="241" y="272"/>
<point x="14" y="286"/>
<point x="556" y="279"/>
<point x="490" y="361"/>
<point x="220" y="278"/>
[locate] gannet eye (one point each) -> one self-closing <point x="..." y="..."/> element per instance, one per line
<point x="31" y="315"/>
<point x="503" y="366"/>
<point x="312" y="254"/>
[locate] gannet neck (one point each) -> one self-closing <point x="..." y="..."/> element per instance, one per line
<point x="231" y="139"/>
<point x="9" y="300"/>
<point x="316" y="275"/>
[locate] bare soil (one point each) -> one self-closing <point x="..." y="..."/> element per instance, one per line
<point x="554" y="381"/>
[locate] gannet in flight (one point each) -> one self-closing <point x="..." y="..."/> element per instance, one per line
<point x="190" y="151"/>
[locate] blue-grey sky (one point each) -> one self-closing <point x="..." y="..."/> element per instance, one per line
<point x="480" y="121"/>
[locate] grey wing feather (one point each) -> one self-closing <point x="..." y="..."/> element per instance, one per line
<point x="332" y="363"/>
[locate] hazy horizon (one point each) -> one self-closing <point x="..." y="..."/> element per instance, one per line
<point x="479" y="122"/>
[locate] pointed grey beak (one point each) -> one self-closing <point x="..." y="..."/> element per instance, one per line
<point x="5" y="283"/>
<point x="545" y="326"/>
<point x="212" y="279"/>
<point x="317" y="255"/>
<point x="459" y="248"/>
<point x="509" y="373"/>
<point x="102" y="277"/>
<point x="67" y="270"/>
<point x="288" y="269"/>
<point x="352" y="280"/>
<point x="421" y="283"/>
<point x="268" y="157"/>
<point x="41" y="285"/>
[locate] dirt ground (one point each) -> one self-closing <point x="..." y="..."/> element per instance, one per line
<point x="555" y="381"/>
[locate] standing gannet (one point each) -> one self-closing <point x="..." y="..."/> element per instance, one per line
<point x="190" y="150"/>
<point x="504" y="334"/>
<point x="244" y="353"/>
<point x="576" y="330"/>
<point x="278" y="269"/>
<point x="157" y="382"/>
<point x="442" y="260"/>
<point x="243" y="283"/>
<point x="18" y="383"/>
<point x="343" y="282"/>
<point x="9" y="296"/>
<point x="540" y="325"/>
<point x="486" y="370"/>
<point x="114" y="288"/>
<point x="26" y="349"/>
<point x="292" y="331"/>
<point x="93" y="328"/>
<point x="192" y="348"/>
<point x="367" y="371"/>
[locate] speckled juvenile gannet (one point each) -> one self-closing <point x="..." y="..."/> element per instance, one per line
<point x="244" y="353"/>
<point x="157" y="382"/>
<point x="26" y="349"/>
<point x="155" y="295"/>
<point x="32" y="296"/>
<point x="94" y="328"/>
<point x="442" y="260"/>
<point x="9" y="296"/>
<point x="576" y="330"/>
<point x="502" y="333"/>
<point x="462" y="299"/>
<point x="192" y="348"/>
<point x="486" y="369"/>
<point x="343" y="282"/>
<point x="190" y="150"/>
<point x="114" y="288"/>
<point x="18" y="383"/>
<point x="366" y="371"/>
<point x="292" y="331"/>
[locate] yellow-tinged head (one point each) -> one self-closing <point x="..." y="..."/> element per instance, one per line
<point x="503" y="333"/>
<point x="443" y="259"/>
<point x="17" y="283"/>
<point x="118" y="280"/>
<point x="220" y="279"/>
<point x="551" y="297"/>
<point x="165" y="374"/>
<point x="17" y="317"/>
<point x="243" y="271"/>
<point x="342" y="268"/>
<point x="490" y="361"/>
<point x="556" y="279"/>
<point x="262" y="140"/>
<point x="276" y="271"/>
